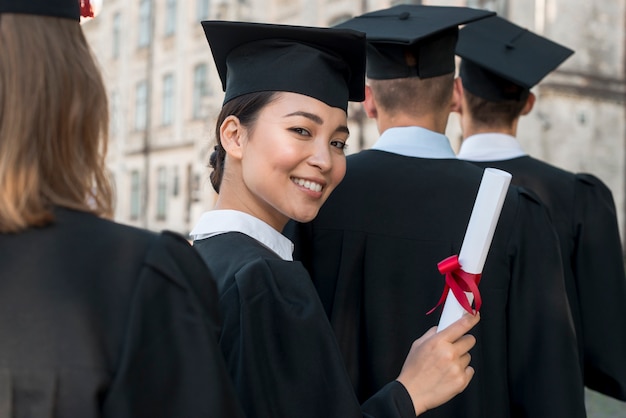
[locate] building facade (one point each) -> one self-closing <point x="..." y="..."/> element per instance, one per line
<point x="165" y="93"/>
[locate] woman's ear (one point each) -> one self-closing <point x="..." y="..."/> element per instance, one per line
<point x="231" y="136"/>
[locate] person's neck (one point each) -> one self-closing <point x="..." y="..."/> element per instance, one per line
<point x="228" y="200"/>
<point x="433" y="122"/>
<point x="470" y="128"/>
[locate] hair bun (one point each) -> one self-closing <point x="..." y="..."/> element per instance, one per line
<point x="213" y="158"/>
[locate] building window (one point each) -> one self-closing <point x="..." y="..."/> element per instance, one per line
<point x="141" y="106"/>
<point x="170" y="17"/>
<point x="135" y="195"/>
<point x="117" y="34"/>
<point x="168" y="99"/>
<point x="202" y="9"/>
<point x="145" y="24"/>
<point x="175" y="182"/>
<point x="161" y="204"/>
<point x="114" y="112"/>
<point x="194" y="187"/>
<point x="200" y="89"/>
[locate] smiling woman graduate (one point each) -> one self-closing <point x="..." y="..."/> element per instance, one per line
<point x="281" y="136"/>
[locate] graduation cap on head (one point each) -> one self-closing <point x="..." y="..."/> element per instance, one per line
<point x="502" y="61"/>
<point x="70" y="9"/>
<point x="326" y="64"/>
<point x="412" y="40"/>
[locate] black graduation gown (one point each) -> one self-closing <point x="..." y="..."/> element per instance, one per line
<point x="279" y="347"/>
<point x="104" y="320"/>
<point x="583" y="212"/>
<point x="373" y="252"/>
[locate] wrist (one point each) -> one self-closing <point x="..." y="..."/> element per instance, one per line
<point x="418" y="403"/>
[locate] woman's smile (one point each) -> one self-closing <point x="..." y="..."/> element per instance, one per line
<point x="308" y="184"/>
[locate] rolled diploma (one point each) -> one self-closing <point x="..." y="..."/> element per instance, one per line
<point x="478" y="236"/>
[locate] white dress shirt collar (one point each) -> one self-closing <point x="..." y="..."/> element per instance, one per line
<point x="414" y="141"/>
<point x="490" y="147"/>
<point x="217" y="222"/>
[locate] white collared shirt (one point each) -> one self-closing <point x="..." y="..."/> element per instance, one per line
<point x="217" y="222"/>
<point x="414" y="141"/>
<point x="490" y="147"/>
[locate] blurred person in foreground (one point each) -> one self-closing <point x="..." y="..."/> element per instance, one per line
<point x="97" y="319"/>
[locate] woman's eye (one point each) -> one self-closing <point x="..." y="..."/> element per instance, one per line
<point x="339" y="144"/>
<point x="301" y="131"/>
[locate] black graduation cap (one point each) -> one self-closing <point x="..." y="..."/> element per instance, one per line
<point x="412" y="40"/>
<point x="70" y="9"/>
<point x="323" y="63"/>
<point x="499" y="55"/>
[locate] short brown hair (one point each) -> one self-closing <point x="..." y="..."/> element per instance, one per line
<point x="53" y="122"/>
<point x="413" y="94"/>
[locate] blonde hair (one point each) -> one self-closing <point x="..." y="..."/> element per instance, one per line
<point x="53" y="122"/>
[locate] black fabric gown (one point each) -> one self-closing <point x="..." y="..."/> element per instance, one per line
<point x="583" y="212"/>
<point x="373" y="252"/>
<point x="104" y="320"/>
<point x="279" y="347"/>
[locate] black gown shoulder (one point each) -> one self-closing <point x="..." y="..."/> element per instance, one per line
<point x="106" y="320"/>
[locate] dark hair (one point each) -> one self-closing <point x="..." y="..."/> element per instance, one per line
<point x="246" y="108"/>
<point x="489" y="113"/>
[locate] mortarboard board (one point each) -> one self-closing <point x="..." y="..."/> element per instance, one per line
<point x="427" y="33"/>
<point x="70" y="9"/>
<point x="499" y="55"/>
<point x="326" y="64"/>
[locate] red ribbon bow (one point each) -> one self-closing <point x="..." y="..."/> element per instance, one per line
<point x="459" y="282"/>
<point x="86" y="9"/>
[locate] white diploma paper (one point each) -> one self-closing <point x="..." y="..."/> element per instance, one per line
<point x="478" y="236"/>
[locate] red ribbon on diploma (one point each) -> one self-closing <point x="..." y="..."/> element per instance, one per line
<point x="86" y="9"/>
<point x="459" y="282"/>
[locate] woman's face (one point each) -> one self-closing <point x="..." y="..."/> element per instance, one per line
<point x="291" y="159"/>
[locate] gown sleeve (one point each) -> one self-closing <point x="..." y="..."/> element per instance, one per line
<point x="171" y="364"/>
<point x="282" y="353"/>
<point x="601" y="287"/>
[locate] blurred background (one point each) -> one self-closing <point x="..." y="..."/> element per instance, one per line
<point x="165" y="94"/>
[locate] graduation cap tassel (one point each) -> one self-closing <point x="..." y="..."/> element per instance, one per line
<point x="86" y="9"/>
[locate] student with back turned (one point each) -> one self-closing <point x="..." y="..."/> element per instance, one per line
<point x="404" y="206"/>
<point x="501" y="62"/>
